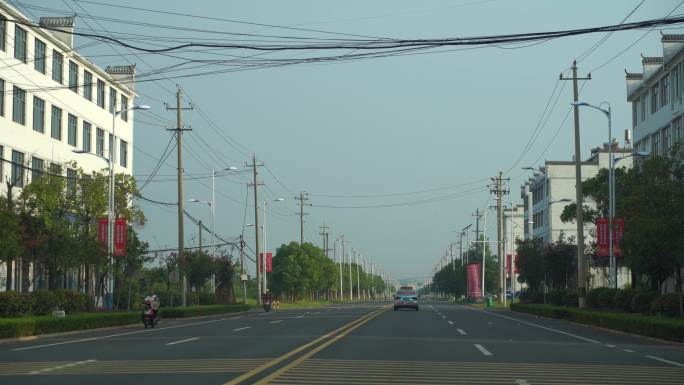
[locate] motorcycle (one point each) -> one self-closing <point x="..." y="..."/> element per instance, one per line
<point x="267" y="302"/>
<point x="149" y="315"/>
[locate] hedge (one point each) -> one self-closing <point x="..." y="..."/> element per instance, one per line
<point x="652" y="326"/>
<point x="35" y="325"/>
<point x="42" y="302"/>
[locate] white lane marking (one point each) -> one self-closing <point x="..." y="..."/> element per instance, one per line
<point x="61" y="367"/>
<point x="450" y="322"/>
<point x="300" y="316"/>
<point x="628" y="350"/>
<point x="275" y="322"/>
<point x="666" y="361"/>
<point x="181" y="341"/>
<point x="443" y="316"/>
<point x="236" y="317"/>
<point x="118" y="335"/>
<point x="610" y="346"/>
<point x="238" y="329"/>
<point x="461" y="331"/>
<point x="522" y="382"/>
<point x="543" y="327"/>
<point x="482" y="349"/>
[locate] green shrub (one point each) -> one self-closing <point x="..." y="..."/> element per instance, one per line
<point x="556" y="297"/>
<point x="641" y="302"/>
<point x="601" y="298"/>
<point x="666" y="305"/>
<point x="653" y="326"/>
<point x="44" y="302"/>
<point x="11" y="304"/>
<point x="623" y="299"/>
<point x="571" y="299"/>
<point x="207" y="299"/>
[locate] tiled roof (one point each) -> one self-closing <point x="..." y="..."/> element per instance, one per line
<point x="57" y="21"/>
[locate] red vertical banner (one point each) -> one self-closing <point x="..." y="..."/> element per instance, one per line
<point x="602" y="242"/>
<point x="618" y="228"/>
<point x="102" y="233"/>
<point x="515" y="260"/>
<point x="269" y="262"/>
<point x="120" y="237"/>
<point x="473" y="274"/>
<point x="509" y="259"/>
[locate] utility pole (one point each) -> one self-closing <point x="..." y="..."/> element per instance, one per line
<point x="243" y="278"/>
<point x="341" y="263"/>
<point x="581" y="281"/>
<point x="358" y="277"/>
<point x="351" y="280"/>
<point x="257" y="245"/>
<point x="302" y="198"/>
<point x="499" y="191"/>
<point x="181" y="211"/>
<point x="200" y="235"/>
<point x="325" y="234"/>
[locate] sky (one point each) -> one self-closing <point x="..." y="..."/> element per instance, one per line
<point x="396" y="153"/>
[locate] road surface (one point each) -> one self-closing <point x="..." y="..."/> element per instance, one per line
<point x="364" y="343"/>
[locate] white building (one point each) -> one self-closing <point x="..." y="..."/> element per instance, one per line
<point x="54" y="101"/>
<point x="656" y="96"/>
<point x="552" y="187"/>
<point x="514" y="229"/>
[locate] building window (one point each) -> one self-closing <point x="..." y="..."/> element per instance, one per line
<point x="19" y="105"/>
<point x="655" y="144"/>
<point x="39" y="49"/>
<point x="634" y="113"/>
<point x="2" y="162"/>
<point x="56" y="123"/>
<point x="676" y="82"/>
<point x="87" y="85"/>
<point x="655" y="96"/>
<point x="3" y="32"/>
<point x="17" y="168"/>
<point x="100" y="93"/>
<point x="665" y="140"/>
<point x="124" y="108"/>
<point x="19" y="43"/>
<point x="99" y="142"/>
<point x="87" y="136"/>
<point x="72" y="176"/>
<point x="38" y="114"/>
<point x="123" y="153"/>
<point x="112" y="100"/>
<point x="642" y="107"/>
<point x="55" y="169"/>
<point x="37" y="168"/>
<point x="2" y="97"/>
<point x="73" y="76"/>
<point x="664" y="86"/>
<point x="72" y="128"/>
<point x="57" y="66"/>
<point x="677" y="131"/>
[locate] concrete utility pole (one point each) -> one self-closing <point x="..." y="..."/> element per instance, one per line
<point x="302" y="198"/>
<point x="341" y="263"/>
<point x="181" y="211"/>
<point x="358" y="276"/>
<point x="200" y="234"/>
<point x="242" y="269"/>
<point x="499" y="191"/>
<point x="581" y="280"/>
<point x="257" y="245"/>
<point x="351" y="281"/>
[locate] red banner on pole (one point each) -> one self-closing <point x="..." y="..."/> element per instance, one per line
<point x="618" y="228"/>
<point x="473" y="274"/>
<point x="602" y="242"/>
<point x="120" y="237"/>
<point x="509" y="259"/>
<point x="515" y="259"/>
<point x="269" y="262"/>
<point x="102" y="234"/>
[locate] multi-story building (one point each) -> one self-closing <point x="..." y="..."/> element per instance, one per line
<point x="656" y="97"/>
<point x="552" y="187"/>
<point x="54" y="101"/>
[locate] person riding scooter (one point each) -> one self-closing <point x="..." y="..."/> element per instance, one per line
<point x="267" y="300"/>
<point x="150" y="315"/>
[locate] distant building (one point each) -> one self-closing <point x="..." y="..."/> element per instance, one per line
<point x="54" y="101"/>
<point x="514" y="229"/>
<point x="656" y="97"/>
<point x="552" y="187"/>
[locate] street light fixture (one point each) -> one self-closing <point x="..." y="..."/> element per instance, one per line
<point x="611" y="187"/>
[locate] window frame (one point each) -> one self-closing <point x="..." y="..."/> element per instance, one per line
<point x="39" y="62"/>
<point x="73" y="76"/>
<point x="23" y="58"/>
<point x="58" y="128"/>
<point x="87" y="137"/>
<point x="57" y="66"/>
<point x="42" y="115"/>
<point x="123" y="153"/>
<point x="72" y="130"/>
<point x="18" y="94"/>
<point x="101" y="92"/>
<point x="17" y="168"/>
<point x="99" y="141"/>
<point x="37" y="172"/>
<point x="88" y="85"/>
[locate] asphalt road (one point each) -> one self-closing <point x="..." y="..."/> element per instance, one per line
<point x="347" y="344"/>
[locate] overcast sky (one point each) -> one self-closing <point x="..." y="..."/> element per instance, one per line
<point x="420" y="134"/>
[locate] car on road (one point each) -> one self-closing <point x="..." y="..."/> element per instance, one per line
<point x="406" y="300"/>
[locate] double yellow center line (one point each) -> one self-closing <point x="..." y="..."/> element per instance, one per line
<point x="331" y="338"/>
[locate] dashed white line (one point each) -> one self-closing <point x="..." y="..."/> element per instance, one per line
<point x="238" y="329"/>
<point x="61" y="367"/>
<point x="610" y="346"/>
<point x="522" y="382"/>
<point x="461" y="331"/>
<point x="275" y="322"/>
<point x="482" y="349"/>
<point x="181" y="341"/>
<point x="300" y="316"/>
<point x="666" y="361"/>
<point x="628" y="350"/>
<point x="443" y="316"/>
<point x="450" y="322"/>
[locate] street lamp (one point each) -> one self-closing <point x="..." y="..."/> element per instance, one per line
<point x="109" y="287"/>
<point x="611" y="188"/>
<point x="263" y="257"/>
